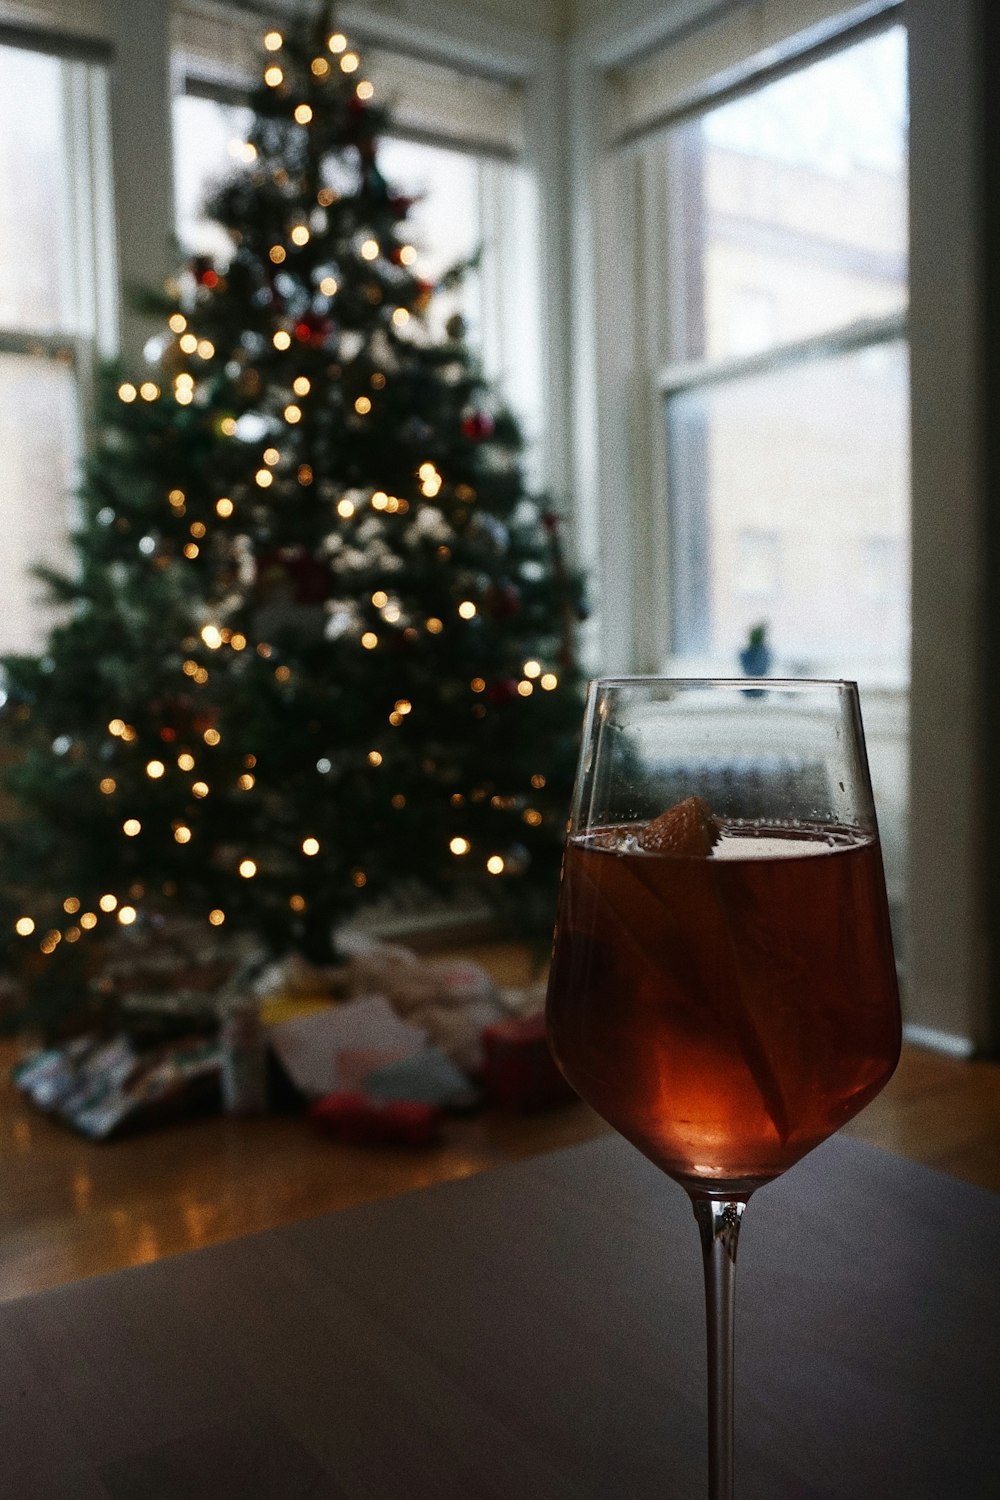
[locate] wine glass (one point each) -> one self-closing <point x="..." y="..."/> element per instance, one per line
<point x="723" y="989"/>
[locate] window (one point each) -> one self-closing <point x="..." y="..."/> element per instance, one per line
<point x="50" y="311"/>
<point x="750" y="341"/>
<point x="785" y="403"/>
<point x="209" y="137"/>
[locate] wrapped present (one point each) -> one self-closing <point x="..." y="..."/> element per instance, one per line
<point x="362" y="1120"/>
<point x="450" y="1000"/>
<point x="518" y="1068"/>
<point x="105" y="1086"/>
<point x="427" y="1077"/>
<point x="309" y="1046"/>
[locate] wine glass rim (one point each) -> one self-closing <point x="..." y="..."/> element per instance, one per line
<point x="651" y="678"/>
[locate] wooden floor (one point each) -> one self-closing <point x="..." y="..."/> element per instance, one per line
<point x="69" y="1208"/>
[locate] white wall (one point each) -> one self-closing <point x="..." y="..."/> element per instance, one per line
<point x="949" y="676"/>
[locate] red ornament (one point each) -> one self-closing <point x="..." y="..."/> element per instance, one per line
<point x="204" y="272"/>
<point x="310" y="578"/>
<point x="176" y="712"/>
<point x="292" y="571"/>
<point x="477" y="426"/>
<point x="503" y="691"/>
<point x="313" y="328"/>
<point x="502" y="600"/>
<point x="400" y="206"/>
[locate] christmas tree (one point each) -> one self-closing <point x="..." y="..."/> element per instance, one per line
<point x="317" y="646"/>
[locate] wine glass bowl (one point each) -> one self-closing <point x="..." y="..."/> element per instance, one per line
<point x="723" y="989"/>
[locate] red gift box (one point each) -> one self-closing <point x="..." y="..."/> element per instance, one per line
<point x="518" y="1069"/>
<point x="365" y="1121"/>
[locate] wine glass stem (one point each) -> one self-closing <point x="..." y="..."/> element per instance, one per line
<point x="719" y="1223"/>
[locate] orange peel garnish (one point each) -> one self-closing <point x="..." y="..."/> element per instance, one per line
<point x="686" y="828"/>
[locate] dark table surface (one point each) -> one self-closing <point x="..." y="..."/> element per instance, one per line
<point x="534" y="1333"/>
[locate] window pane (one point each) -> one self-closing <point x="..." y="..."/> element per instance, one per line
<point x="791" y="205"/>
<point x="790" y="495"/>
<point x="208" y="142"/>
<point x="38" y="437"/>
<point x="444" y="222"/>
<point x="34" y="198"/>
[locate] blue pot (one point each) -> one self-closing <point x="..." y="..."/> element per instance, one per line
<point x="755" y="661"/>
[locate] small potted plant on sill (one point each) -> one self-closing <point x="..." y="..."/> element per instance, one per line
<point x="756" y="656"/>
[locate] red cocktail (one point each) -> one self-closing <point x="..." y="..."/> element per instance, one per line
<point x="723" y="989"/>
<point x="725" y="1011"/>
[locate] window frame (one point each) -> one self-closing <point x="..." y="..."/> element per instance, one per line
<point x="635" y="338"/>
<point x="90" y="333"/>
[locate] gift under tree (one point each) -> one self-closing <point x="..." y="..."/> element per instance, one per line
<point x="317" y="645"/>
